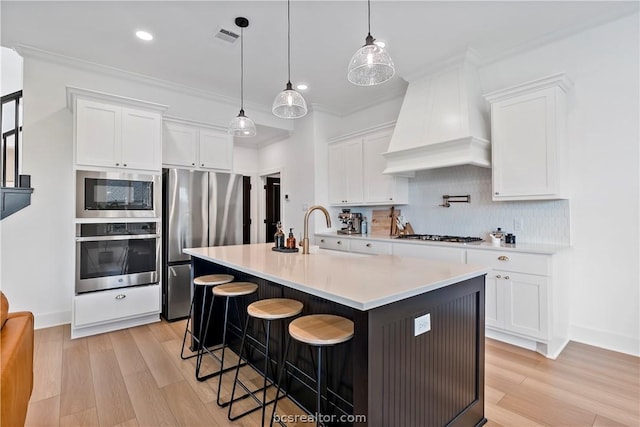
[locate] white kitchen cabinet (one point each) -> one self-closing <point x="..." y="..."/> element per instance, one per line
<point x="98" y="312"/>
<point x="373" y="247"/>
<point x="355" y="170"/>
<point x="196" y="145"/>
<point x="115" y="132"/>
<point x="525" y="298"/>
<point x="528" y="140"/>
<point x="333" y="243"/>
<point x="345" y="173"/>
<point x="380" y="188"/>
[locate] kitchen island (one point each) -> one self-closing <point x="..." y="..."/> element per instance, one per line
<point x="398" y="371"/>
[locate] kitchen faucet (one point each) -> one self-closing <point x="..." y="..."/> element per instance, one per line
<point x="305" y="240"/>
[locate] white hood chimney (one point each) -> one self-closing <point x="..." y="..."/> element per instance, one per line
<point x="442" y="122"/>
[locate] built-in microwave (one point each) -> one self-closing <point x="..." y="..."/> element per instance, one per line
<point x="117" y="195"/>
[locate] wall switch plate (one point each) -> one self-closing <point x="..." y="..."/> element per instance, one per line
<point x="421" y="324"/>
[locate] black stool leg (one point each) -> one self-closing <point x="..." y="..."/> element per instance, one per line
<point x="186" y="329"/>
<point x="266" y="366"/>
<point x="235" y="379"/>
<point x="224" y="344"/>
<point x="282" y="370"/>
<point x="319" y="387"/>
<point x="203" y="336"/>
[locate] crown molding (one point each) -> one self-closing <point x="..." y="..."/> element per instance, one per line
<point x="32" y="52"/>
<point x="362" y="132"/>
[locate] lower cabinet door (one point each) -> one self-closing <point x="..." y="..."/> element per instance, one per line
<point x="117" y="304"/>
<point x="494" y="300"/>
<point x="335" y="243"/>
<point x="370" y="247"/>
<point x="526" y="304"/>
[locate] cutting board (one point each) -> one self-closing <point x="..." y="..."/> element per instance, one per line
<point x="381" y="224"/>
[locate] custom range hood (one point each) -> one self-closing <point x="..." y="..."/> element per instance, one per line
<point x="443" y="121"/>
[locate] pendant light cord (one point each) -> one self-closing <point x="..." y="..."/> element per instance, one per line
<point x="289" y="39"/>
<point x="242" y="69"/>
<point x="369" y="15"/>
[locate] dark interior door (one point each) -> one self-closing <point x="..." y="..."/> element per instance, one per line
<point x="273" y="207"/>
<point x="246" y="210"/>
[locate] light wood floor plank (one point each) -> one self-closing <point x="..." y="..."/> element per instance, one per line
<point x="129" y="357"/>
<point x="130" y="423"/>
<point x="186" y="407"/>
<point x="606" y="422"/>
<point x="88" y="418"/>
<point x="45" y="412"/>
<point x="163" y="332"/>
<point x="98" y="343"/>
<point x="47" y="371"/>
<point x="148" y="400"/>
<point x="159" y="363"/>
<point x="112" y="399"/>
<point x="77" y="391"/>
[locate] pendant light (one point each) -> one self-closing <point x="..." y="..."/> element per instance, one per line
<point x="242" y="125"/>
<point x="289" y="104"/>
<point x="371" y="64"/>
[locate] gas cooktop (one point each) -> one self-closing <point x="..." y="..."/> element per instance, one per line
<point x="439" y="238"/>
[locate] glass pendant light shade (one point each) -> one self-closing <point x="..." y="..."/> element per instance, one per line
<point x="370" y="65"/>
<point x="242" y="126"/>
<point x="289" y="104"/>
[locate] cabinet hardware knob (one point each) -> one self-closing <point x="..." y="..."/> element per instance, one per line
<point x="498" y="276"/>
<point x="202" y="164"/>
<point x="503" y="258"/>
<point x="125" y="165"/>
<point x="321" y="240"/>
<point x="506" y="277"/>
<point x="117" y="164"/>
<point x="339" y="242"/>
<point x="368" y="245"/>
<point x="193" y="164"/>
<point x="497" y="193"/>
<point x="121" y="296"/>
<point x="390" y="198"/>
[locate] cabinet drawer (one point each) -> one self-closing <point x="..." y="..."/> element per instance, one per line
<point x="335" y="243"/>
<point x="370" y="247"/>
<point x="117" y="304"/>
<point x="520" y="263"/>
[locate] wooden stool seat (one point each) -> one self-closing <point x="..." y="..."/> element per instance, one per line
<point x="274" y="308"/>
<point x="321" y="329"/>
<point x="235" y="289"/>
<point x="213" y="279"/>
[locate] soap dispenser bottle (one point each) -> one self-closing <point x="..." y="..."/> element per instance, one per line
<point x="278" y="238"/>
<point x="291" y="241"/>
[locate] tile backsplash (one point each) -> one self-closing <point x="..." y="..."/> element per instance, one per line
<point x="545" y="222"/>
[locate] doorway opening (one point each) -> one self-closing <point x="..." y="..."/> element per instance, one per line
<point x="272" y="205"/>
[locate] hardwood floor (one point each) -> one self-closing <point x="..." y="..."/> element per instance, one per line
<point x="135" y="377"/>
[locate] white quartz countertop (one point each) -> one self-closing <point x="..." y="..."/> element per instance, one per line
<point x="359" y="281"/>
<point x="531" y="248"/>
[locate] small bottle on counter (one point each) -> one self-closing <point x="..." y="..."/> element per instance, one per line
<point x="291" y="241"/>
<point x="364" y="226"/>
<point x="278" y="238"/>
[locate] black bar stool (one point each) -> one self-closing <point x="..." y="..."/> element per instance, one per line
<point x="266" y="310"/>
<point x="319" y="331"/>
<point x="204" y="283"/>
<point x="228" y="290"/>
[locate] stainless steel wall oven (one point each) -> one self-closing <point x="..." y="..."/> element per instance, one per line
<point x="117" y="195"/>
<point x="116" y="255"/>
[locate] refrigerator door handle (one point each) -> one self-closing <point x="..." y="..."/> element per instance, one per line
<point x="173" y="271"/>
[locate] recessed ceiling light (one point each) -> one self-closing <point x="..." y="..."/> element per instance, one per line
<point x="302" y="86"/>
<point x="380" y="43"/>
<point x="143" y="35"/>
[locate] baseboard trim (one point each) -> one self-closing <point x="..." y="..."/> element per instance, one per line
<point x="605" y="339"/>
<point x="113" y="326"/>
<point x="47" y="320"/>
<point x="511" y="339"/>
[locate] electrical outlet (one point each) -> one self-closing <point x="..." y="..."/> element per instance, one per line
<point x="421" y="324"/>
<point x="518" y="225"/>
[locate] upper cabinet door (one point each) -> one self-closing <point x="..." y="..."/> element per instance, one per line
<point x="378" y="187"/>
<point x="337" y="174"/>
<point x="141" y="139"/>
<point x="528" y="147"/>
<point x="98" y="133"/>
<point x="216" y="150"/>
<point x="179" y="145"/>
<point x="355" y="184"/>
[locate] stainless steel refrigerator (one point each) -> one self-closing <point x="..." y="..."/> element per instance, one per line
<point x="199" y="209"/>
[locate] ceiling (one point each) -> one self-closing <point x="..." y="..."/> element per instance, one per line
<point x="324" y="35"/>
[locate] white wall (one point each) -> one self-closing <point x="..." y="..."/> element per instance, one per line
<point x="10" y="71"/>
<point x="604" y="150"/>
<point x="38" y="251"/>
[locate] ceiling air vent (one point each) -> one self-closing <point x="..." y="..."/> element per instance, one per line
<point x="226" y="35"/>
